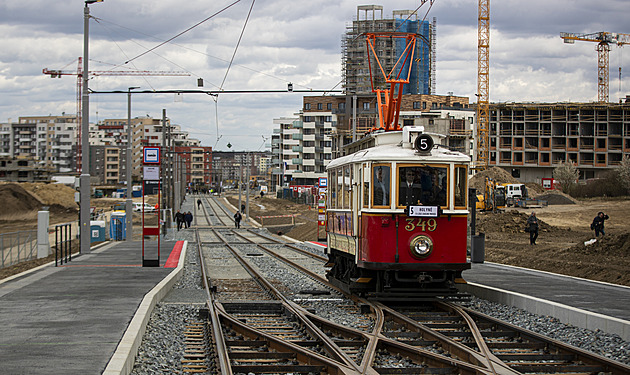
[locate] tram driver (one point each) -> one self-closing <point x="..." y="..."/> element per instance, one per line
<point x="410" y="190"/>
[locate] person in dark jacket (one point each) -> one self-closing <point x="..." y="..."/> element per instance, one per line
<point x="237" y="219"/>
<point x="198" y="203"/>
<point x="179" y="218"/>
<point x="532" y="225"/>
<point x="188" y="218"/>
<point x="598" y="223"/>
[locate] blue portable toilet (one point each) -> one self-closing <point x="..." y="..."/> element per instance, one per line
<point x="118" y="226"/>
<point x="97" y="231"/>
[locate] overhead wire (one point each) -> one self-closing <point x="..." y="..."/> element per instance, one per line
<point x="238" y="43"/>
<point x="201" y="53"/>
<point x="184" y="32"/>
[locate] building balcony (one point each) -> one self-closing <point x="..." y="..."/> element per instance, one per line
<point x="296" y="161"/>
<point x="298" y="124"/>
<point x="298" y="136"/>
<point x="297" y="148"/>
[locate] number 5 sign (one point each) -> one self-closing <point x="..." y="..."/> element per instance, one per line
<point x="423" y="143"/>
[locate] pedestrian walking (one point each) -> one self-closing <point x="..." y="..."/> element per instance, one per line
<point x="179" y="218"/>
<point x="532" y="228"/>
<point x="188" y="218"/>
<point x="198" y="203"/>
<point x="598" y="223"/>
<point x="237" y="219"/>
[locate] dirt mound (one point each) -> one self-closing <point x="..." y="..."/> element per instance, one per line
<point x="52" y="194"/>
<point x="510" y="221"/>
<point x="611" y="244"/>
<point x="16" y="200"/>
<point x="534" y="189"/>
<point x="556" y="197"/>
<point x="499" y="175"/>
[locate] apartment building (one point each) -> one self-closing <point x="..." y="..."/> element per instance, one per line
<point x="108" y="164"/>
<point x="49" y="140"/>
<point x="197" y="162"/>
<point x="230" y="167"/>
<point x="356" y="68"/>
<point x="531" y="139"/>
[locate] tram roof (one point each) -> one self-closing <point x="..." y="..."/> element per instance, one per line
<point x="390" y="151"/>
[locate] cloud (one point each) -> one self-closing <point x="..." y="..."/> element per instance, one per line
<point x="284" y="41"/>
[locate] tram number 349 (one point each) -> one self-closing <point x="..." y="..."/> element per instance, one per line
<point x="424" y="225"/>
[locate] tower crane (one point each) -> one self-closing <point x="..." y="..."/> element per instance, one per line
<point x="56" y="73"/>
<point x="604" y="40"/>
<point x="483" y="86"/>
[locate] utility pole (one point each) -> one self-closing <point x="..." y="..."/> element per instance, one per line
<point x="165" y="182"/>
<point x="240" y="175"/>
<point x="247" y="189"/>
<point x="84" y="179"/>
<point x="128" y="206"/>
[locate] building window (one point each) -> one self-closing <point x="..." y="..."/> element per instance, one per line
<point x="307" y="106"/>
<point x="424" y="105"/>
<point x="342" y="106"/>
<point x="329" y="106"/>
<point x="320" y="106"/>
<point x="366" y="105"/>
<point x="416" y="105"/>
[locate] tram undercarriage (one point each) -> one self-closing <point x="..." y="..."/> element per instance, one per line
<point x="390" y="283"/>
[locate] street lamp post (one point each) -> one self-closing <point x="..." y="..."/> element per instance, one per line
<point x="84" y="189"/>
<point x="128" y="206"/>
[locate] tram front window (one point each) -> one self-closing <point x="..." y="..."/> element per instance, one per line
<point x="422" y="186"/>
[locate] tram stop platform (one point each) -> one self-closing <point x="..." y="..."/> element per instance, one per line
<point x="583" y="303"/>
<point x="72" y="318"/>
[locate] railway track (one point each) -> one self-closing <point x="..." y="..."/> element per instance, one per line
<point x="271" y="310"/>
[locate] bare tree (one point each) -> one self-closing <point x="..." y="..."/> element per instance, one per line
<point x="624" y="172"/>
<point x="567" y="174"/>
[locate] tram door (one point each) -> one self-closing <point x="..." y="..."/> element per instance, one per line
<point x="356" y="198"/>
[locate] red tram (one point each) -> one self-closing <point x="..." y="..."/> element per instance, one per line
<point x="397" y="216"/>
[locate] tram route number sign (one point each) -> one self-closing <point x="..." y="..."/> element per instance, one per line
<point x="423" y="211"/>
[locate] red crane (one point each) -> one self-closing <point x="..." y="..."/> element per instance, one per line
<point x="389" y="99"/>
<point x="79" y="73"/>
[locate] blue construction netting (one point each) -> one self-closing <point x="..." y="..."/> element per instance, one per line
<point x="420" y="79"/>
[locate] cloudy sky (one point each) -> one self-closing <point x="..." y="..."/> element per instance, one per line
<point x="283" y="41"/>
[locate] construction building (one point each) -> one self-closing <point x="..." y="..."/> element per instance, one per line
<point x="303" y="145"/>
<point x="355" y="65"/>
<point x="531" y="139"/>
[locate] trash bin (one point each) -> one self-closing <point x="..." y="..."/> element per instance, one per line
<point x="118" y="226"/>
<point x="477" y="248"/>
<point x="97" y="230"/>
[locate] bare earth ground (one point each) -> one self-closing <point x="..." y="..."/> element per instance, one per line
<point x="560" y="246"/>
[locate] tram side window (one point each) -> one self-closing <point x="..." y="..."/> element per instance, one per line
<point x="332" y="178"/>
<point x="339" y="178"/>
<point x="381" y="185"/>
<point x="366" y="186"/>
<point x="422" y="185"/>
<point x="461" y="178"/>
<point x="346" y="187"/>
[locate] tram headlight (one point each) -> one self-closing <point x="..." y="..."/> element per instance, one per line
<point x="421" y="246"/>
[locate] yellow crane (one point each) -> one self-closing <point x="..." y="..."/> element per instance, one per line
<point x="604" y="40"/>
<point x="483" y="86"/>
